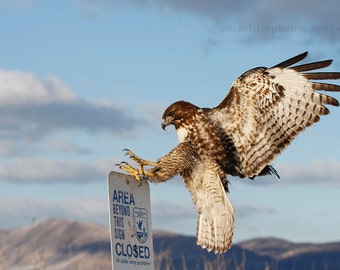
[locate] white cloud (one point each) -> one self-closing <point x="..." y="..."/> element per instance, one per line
<point x="315" y="173"/>
<point x="45" y="170"/>
<point x="32" y="107"/>
<point x="42" y="119"/>
<point x="322" y="173"/>
<point x="19" y="88"/>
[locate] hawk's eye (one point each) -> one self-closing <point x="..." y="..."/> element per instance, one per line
<point x="171" y="113"/>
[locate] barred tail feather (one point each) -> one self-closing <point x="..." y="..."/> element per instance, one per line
<point x="215" y="216"/>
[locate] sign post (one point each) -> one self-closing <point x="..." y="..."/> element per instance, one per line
<point x="130" y="223"/>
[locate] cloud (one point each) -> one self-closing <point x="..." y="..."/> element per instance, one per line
<point x="46" y="170"/>
<point x="244" y="211"/>
<point x="216" y="9"/>
<point x="44" y="119"/>
<point x="32" y="107"/>
<point x="256" y="20"/>
<point x="19" y="87"/>
<point x="65" y="146"/>
<point x="21" y="211"/>
<point x="323" y="173"/>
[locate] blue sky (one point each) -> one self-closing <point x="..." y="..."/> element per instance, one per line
<point x="81" y="80"/>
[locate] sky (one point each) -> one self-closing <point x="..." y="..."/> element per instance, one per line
<point x="80" y="80"/>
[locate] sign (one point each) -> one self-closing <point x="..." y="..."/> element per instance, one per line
<point x="130" y="223"/>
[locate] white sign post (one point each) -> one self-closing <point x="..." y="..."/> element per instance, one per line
<point x="130" y="223"/>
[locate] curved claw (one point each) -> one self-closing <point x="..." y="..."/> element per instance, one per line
<point x="126" y="151"/>
<point x="132" y="156"/>
<point x="122" y="162"/>
<point x="130" y="170"/>
<point x="139" y="172"/>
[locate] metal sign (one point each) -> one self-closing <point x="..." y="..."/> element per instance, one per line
<point x="130" y="223"/>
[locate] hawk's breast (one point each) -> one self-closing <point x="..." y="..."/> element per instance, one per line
<point x="182" y="134"/>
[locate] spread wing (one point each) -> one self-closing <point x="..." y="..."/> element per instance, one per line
<point x="266" y="108"/>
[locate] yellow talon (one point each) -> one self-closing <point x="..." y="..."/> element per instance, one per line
<point x="130" y="170"/>
<point x="139" y="173"/>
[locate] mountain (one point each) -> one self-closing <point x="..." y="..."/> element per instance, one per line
<point x="296" y="256"/>
<point x="57" y="244"/>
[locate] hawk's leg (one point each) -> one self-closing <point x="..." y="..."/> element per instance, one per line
<point x="139" y="173"/>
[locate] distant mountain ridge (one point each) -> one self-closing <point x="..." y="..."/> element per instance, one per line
<point x="57" y="244"/>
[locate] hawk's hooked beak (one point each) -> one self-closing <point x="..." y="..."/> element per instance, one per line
<point x="166" y="121"/>
<point x="164" y="124"/>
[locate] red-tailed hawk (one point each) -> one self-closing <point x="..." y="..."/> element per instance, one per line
<point x="265" y="109"/>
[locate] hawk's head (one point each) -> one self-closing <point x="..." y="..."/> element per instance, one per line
<point x="178" y="114"/>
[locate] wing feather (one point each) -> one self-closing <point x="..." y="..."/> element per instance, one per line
<point x="312" y="66"/>
<point x="326" y="87"/>
<point x="322" y="75"/>
<point x="292" y="61"/>
<point x="266" y="108"/>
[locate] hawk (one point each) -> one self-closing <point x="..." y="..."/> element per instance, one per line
<point x="265" y="109"/>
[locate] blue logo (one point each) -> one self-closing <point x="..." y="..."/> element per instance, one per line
<point x="140" y="218"/>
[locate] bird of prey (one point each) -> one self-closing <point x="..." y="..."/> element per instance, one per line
<point x="265" y="109"/>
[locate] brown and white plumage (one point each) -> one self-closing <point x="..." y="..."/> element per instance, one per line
<point x="265" y="109"/>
